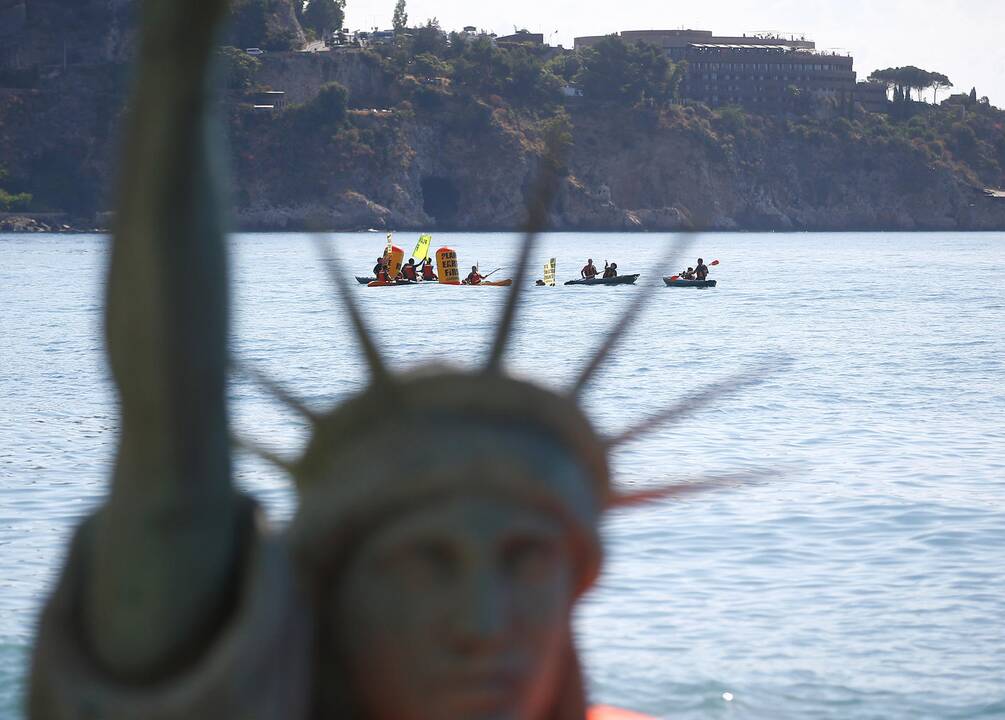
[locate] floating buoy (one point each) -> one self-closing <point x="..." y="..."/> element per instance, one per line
<point x="446" y="267"/>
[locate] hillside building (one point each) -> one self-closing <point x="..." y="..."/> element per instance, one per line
<point x="522" y="37"/>
<point x="872" y="96"/>
<point x="762" y="71"/>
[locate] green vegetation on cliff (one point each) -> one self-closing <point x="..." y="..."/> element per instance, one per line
<point x="446" y="130"/>
<point x="9" y="201"/>
<point x="267" y="24"/>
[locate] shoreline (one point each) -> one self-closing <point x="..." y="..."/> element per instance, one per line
<point x="32" y="224"/>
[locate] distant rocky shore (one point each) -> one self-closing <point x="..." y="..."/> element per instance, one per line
<point x="27" y="223"/>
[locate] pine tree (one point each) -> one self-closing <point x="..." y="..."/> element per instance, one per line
<point x="324" y="16"/>
<point x="400" y="21"/>
<point x="973" y="96"/>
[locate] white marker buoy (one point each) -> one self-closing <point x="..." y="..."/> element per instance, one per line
<point x="727" y="696"/>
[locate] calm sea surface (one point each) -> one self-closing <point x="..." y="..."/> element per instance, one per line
<point x="865" y="579"/>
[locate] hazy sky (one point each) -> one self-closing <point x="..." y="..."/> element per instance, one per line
<point x="965" y="39"/>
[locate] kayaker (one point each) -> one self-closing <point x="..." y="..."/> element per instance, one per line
<point x="408" y="272"/>
<point x="689" y="274"/>
<point x="610" y="271"/>
<point x="701" y="272"/>
<point x="474" y="277"/>
<point x="380" y="271"/>
<point x="590" y="270"/>
<point x="426" y="267"/>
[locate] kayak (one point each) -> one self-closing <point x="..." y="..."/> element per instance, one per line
<point x="396" y="283"/>
<point x="619" y="280"/>
<point x="689" y="283"/>
<point x="491" y="283"/>
<point x="365" y="280"/>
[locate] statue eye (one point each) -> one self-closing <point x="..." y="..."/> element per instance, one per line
<point x="429" y="562"/>
<point x="530" y="558"/>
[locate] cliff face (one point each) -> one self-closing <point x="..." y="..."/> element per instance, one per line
<point x="48" y="32"/>
<point x="775" y="176"/>
<point x="468" y="167"/>
<point x="301" y="76"/>
<point x="418" y="156"/>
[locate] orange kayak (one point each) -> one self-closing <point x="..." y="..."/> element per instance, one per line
<point x="493" y="283"/>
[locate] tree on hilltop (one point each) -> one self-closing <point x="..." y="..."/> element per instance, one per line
<point x="324" y="16"/>
<point x="939" y="82"/>
<point x="616" y="71"/>
<point x="268" y="24"/>
<point x="429" y="38"/>
<point x="400" y="20"/>
<point x="908" y="78"/>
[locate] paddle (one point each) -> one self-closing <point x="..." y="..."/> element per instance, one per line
<point x="485" y="277"/>
<point x="675" y="278"/>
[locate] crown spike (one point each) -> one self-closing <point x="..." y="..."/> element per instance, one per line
<point x="277" y="390"/>
<point x="693" y="403"/>
<point x="538" y="209"/>
<point x="619" y="501"/>
<point x="627" y="318"/>
<point x="253" y="448"/>
<point x="378" y="369"/>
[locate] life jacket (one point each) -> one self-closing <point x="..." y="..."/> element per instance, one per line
<point x="474" y="278"/>
<point x="382" y="275"/>
<point x="427" y="272"/>
<point x="590" y="271"/>
<point x="408" y="271"/>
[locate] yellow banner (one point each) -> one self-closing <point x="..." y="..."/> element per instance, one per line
<point x="549" y="273"/>
<point x="421" y="251"/>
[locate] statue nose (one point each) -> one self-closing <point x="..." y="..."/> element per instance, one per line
<point x="479" y="618"/>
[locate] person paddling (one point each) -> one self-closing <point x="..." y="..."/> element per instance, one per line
<point x="409" y="271"/>
<point x="701" y="271"/>
<point x="610" y="271"/>
<point x="426" y="267"/>
<point x="589" y="271"/>
<point x="474" y="277"/>
<point x="380" y="271"/>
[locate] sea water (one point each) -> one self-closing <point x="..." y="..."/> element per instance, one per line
<point x="857" y="572"/>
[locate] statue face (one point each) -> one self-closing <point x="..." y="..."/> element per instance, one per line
<point x="458" y="609"/>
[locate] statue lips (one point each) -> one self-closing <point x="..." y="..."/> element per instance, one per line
<point x="478" y="692"/>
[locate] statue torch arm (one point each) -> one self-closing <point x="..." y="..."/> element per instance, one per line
<point x="162" y="553"/>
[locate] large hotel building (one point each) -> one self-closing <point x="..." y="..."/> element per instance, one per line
<point x="752" y="71"/>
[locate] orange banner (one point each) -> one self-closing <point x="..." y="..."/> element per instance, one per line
<point x="395" y="262"/>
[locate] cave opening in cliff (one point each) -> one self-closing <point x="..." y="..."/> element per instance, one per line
<point x="440" y="199"/>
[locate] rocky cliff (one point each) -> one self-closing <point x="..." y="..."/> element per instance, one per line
<point x="467" y="164"/>
<point x="414" y="154"/>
